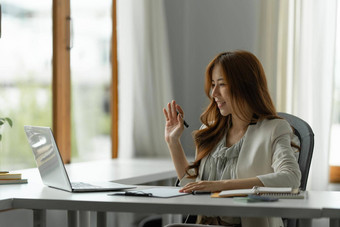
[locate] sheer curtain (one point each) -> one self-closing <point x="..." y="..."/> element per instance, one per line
<point x="308" y="62"/>
<point x="144" y="78"/>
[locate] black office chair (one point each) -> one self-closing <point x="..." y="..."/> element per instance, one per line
<point x="306" y="137"/>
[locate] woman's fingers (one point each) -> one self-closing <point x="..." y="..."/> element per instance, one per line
<point x="166" y="114"/>
<point x="194" y="186"/>
<point x="180" y="110"/>
<point x="173" y="109"/>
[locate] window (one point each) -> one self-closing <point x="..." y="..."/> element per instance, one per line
<point x="334" y="159"/>
<point x="91" y="79"/>
<point x="25" y="76"/>
<point x="28" y="86"/>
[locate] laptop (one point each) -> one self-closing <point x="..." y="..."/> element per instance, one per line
<point x="51" y="166"/>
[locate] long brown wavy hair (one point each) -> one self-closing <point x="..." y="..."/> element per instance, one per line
<point x="247" y="85"/>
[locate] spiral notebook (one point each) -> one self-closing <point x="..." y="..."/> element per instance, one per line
<point x="277" y="192"/>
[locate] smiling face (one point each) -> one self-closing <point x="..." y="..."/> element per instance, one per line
<point x="220" y="91"/>
<point x="236" y="84"/>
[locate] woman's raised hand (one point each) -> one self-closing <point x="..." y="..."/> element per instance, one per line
<point x="174" y="122"/>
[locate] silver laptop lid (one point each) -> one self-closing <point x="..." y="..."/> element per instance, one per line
<point x="47" y="157"/>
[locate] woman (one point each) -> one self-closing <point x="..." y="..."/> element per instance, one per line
<point x="242" y="143"/>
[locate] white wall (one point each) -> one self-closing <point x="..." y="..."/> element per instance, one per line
<point x="198" y="30"/>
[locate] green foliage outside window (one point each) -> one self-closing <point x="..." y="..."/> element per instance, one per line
<point x="15" y="152"/>
<point x="3" y="120"/>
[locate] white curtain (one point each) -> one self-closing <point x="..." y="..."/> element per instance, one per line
<point x="308" y="63"/>
<point x="144" y="78"/>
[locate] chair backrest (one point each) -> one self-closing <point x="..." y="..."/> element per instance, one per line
<point x="306" y="136"/>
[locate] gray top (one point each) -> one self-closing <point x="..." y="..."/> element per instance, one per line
<point x="221" y="165"/>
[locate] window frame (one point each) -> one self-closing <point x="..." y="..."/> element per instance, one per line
<point x="61" y="82"/>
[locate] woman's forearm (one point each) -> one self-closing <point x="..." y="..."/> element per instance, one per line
<point x="242" y="183"/>
<point x="178" y="157"/>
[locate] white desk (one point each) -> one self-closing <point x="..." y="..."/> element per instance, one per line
<point x="127" y="171"/>
<point x="48" y="198"/>
<point x="37" y="197"/>
<point x="131" y="171"/>
<point x="331" y="206"/>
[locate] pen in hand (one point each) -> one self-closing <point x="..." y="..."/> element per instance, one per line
<point x="184" y="122"/>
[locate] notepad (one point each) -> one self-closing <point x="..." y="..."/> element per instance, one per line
<point x="278" y="192"/>
<point x="153" y="192"/>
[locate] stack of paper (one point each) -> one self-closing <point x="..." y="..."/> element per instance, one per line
<point x="11" y="178"/>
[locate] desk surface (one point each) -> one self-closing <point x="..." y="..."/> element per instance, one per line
<point x="330" y="203"/>
<point x="35" y="195"/>
<point x="48" y="198"/>
<point x="127" y="171"/>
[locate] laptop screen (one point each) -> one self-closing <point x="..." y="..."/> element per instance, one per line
<point x="47" y="157"/>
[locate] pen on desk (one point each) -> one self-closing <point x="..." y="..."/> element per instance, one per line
<point x="184" y="122"/>
<point x="137" y="193"/>
<point x="200" y="192"/>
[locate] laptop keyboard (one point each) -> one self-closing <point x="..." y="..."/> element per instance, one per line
<point x="81" y="185"/>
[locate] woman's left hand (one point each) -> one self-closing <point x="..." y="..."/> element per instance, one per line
<point x="209" y="186"/>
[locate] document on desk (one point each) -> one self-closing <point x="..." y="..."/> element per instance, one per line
<point x="158" y="192"/>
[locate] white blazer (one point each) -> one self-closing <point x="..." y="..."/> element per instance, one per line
<point x="266" y="153"/>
